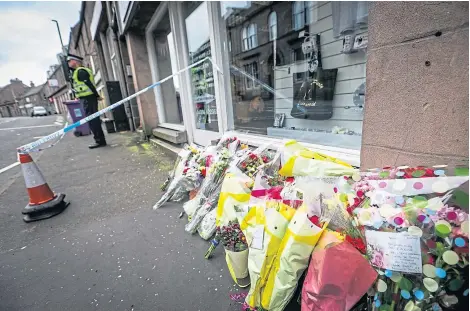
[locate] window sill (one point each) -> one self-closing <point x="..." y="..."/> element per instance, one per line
<point x="348" y="155"/>
<point x="173" y="126"/>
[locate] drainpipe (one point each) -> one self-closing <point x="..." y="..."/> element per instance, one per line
<point x="122" y="78"/>
<point x="120" y="70"/>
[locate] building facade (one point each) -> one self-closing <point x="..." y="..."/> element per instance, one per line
<point x="34" y="97"/>
<point x="57" y="89"/>
<point x="342" y="77"/>
<point x="112" y="54"/>
<point x="10" y="96"/>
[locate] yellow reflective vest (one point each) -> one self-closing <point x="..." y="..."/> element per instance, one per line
<point x="79" y="87"/>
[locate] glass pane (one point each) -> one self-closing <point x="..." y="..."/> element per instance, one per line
<point x="166" y="60"/>
<point x="202" y="78"/>
<point x="308" y="84"/>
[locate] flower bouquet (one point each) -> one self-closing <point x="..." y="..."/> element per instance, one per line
<point x="185" y="155"/>
<point x="236" y="251"/>
<point x="206" y="228"/>
<point x="175" y="187"/>
<point x="264" y="227"/>
<point x="208" y="195"/>
<point x="292" y="259"/>
<point x="299" y="161"/>
<point x="337" y="276"/>
<point x="416" y="235"/>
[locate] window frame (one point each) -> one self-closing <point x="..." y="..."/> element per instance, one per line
<point x="272" y="25"/>
<point x="252" y="70"/>
<point x="305" y="13"/>
<point x="249" y="37"/>
<point x="252" y="36"/>
<point x="245" y="38"/>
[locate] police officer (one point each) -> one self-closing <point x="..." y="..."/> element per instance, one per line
<point x="84" y="88"/>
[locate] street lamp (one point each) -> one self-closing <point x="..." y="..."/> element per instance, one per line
<point x="60" y="37"/>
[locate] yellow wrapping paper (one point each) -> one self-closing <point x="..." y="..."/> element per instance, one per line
<point x="291" y="261"/>
<point x="274" y="217"/>
<point x="300" y="161"/>
<point x="235" y="190"/>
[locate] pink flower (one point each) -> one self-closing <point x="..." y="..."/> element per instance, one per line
<point x="378" y="260"/>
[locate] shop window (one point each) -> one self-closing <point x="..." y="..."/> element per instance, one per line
<point x="313" y="94"/>
<point x="252" y="71"/>
<point x="202" y="77"/>
<point x="272" y="24"/>
<point x="169" y="91"/>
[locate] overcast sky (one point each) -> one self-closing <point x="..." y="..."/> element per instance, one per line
<point x="29" y="41"/>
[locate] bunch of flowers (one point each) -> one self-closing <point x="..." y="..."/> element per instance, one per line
<point x="209" y="192"/>
<point x="415" y="202"/>
<point x="203" y="163"/>
<point x="231" y="237"/>
<point x="226" y="141"/>
<point x="251" y="164"/>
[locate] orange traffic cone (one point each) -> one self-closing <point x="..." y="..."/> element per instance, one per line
<point x="43" y="203"/>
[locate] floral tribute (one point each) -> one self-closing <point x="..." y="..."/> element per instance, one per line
<point x="420" y="203"/>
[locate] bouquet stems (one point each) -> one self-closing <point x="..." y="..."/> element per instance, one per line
<point x="210" y="251"/>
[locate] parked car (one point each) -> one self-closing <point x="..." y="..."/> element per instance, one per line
<point x="38" y="111"/>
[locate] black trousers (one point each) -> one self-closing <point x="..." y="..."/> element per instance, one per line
<point x="90" y="103"/>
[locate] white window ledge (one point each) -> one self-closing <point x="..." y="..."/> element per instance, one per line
<point x="348" y="155"/>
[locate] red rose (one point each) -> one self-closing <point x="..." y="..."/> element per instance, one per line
<point x="315" y="220"/>
<point x="357" y="243"/>
<point x="429" y="172"/>
<point x="185" y="170"/>
<point x="290" y="179"/>
<point x="203" y="171"/>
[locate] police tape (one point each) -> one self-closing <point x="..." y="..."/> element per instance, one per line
<point x="31" y="146"/>
<point x="54" y="143"/>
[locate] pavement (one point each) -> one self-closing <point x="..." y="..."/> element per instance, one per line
<point x="108" y="250"/>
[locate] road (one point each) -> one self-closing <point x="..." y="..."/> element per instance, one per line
<point x="108" y="250"/>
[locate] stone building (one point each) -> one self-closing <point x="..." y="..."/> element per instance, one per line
<point x="10" y="96"/>
<point x="344" y="78"/>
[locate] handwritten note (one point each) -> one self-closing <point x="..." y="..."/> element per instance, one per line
<point x="394" y="251"/>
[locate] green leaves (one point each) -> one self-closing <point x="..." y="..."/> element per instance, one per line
<point x="455" y="284"/>
<point x="405" y="284"/>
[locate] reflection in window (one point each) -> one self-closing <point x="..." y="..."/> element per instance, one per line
<point x="202" y="79"/>
<point x="272" y="23"/>
<point x="245" y="38"/>
<point x="249" y="37"/>
<point x="302" y="13"/>
<point x="274" y="90"/>
<point x="252" y="70"/>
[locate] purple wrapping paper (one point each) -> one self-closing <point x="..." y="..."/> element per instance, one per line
<point x="336" y="279"/>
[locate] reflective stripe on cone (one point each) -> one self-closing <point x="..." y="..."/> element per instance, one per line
<point x="38" y="190"/>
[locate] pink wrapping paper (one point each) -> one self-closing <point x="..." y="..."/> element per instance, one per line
<point x="336" y="279"/>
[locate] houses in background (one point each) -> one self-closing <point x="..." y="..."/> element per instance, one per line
<point x="57" y="90"/>
<point x="10" y="97"/>
<point x="34" y="96"/>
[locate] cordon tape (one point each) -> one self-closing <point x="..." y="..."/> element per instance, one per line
<point x="60" y="133"/>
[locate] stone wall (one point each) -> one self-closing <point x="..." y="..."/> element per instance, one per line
<point x="417" y="84"/>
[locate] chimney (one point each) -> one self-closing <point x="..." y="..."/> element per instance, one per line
<point x="31" y="84"/>
<point x="16" y="80"/>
